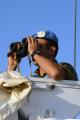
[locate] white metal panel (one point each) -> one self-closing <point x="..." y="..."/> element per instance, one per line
<point x="63" y="101"/>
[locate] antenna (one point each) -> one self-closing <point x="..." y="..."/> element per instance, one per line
<point x="75" y="18"/>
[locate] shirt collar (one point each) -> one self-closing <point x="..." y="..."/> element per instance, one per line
<point x="39" y="74"/>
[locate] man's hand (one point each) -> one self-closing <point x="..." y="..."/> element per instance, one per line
<point x="32" y="44"/>
<point x="13" y="61"/>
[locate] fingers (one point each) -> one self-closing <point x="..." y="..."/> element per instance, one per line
<point x="32" y="41"/>
<point x="12" y="58"/>
<point x="32" y="44"/>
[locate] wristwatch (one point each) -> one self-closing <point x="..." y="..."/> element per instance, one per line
<point x="37" y="51"/>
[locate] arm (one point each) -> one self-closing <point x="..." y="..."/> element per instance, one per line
<point x="52" y="69"/>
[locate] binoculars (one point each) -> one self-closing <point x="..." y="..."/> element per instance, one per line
<point x="20" y="48"/>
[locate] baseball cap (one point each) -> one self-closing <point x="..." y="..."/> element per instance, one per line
<point x="48" y="35"/>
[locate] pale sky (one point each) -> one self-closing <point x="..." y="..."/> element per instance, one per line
<point x="22" y="18"/>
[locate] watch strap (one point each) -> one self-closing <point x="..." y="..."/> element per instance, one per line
<point x="35" y="52"/>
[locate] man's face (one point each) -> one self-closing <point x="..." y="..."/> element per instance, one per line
<point x="44" y="48"/>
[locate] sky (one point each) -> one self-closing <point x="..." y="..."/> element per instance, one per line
<point x="20" y="18"/>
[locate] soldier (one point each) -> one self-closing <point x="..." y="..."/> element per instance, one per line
<point x="43" y="48"/>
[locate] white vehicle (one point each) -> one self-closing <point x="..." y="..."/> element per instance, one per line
<point x="47" y="100"/>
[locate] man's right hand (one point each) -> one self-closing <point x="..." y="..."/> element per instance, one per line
<point x="13" y="61"/>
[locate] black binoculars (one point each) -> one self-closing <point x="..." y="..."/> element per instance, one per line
<point x="20" y="48"/>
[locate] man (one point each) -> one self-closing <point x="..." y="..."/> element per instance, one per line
<point x="43" y="48"/>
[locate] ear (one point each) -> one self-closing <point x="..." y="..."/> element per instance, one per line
<point x="52" y="50"/>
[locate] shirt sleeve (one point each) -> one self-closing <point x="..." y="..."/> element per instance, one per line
<point x="71" y="73"/>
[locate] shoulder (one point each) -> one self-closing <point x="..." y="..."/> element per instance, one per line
<point x="71" y="72"/>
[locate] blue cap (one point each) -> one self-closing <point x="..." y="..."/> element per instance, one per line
<point x="48" y="35"/>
